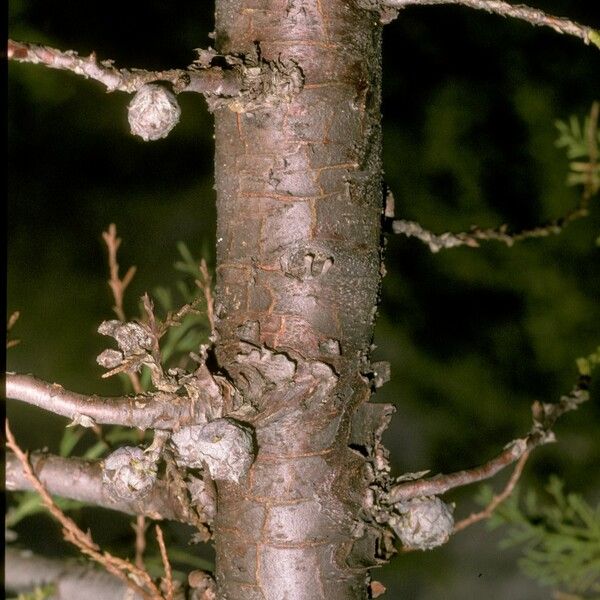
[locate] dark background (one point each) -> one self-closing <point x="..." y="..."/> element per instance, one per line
<point x="474" y="336"/>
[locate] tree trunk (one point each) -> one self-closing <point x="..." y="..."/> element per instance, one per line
<point x="299" y="202"/>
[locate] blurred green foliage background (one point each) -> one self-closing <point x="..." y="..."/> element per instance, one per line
<point x="474" y="336"/>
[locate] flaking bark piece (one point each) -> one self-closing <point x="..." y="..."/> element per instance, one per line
<point x="131" y="338"/>
<point x="202" y="496"/>
<point x="369" y="422"/>
<point x="225" y="446"/>
<point x="109" y="359"/>
<point x="274" y="367"/>
<point x="381" y="373"/>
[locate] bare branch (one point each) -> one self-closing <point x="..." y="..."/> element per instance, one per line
<point x="501" y="234"/>
<point x="159" y="410"/>
<point x="544" y="418"/>
<point x="25" y="571"/>
<point x="487" y="512"/>
<point x="217" y="81"/>
<point x="533" y="16"/>
<point x="476" y="235"/>
<point x="123" y="569"/>
<point x="79" y="479"/>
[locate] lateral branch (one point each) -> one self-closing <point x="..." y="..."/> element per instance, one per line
<point x="134" y="577"/>
<point x="160" y="410"/>
<point x="25" y="571"/>
<point x="213" y="81"/>
<point x="533" y="16"/>
<point x="475" y="235"/>
<point x="81" y="480"/>
<point x="544" y="416"/>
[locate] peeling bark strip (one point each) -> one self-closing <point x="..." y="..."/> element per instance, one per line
<point x="299" y="212"/>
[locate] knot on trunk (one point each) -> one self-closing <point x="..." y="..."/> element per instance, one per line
<point x="224" y="446"/>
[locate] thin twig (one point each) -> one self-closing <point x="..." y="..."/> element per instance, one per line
<point x="210" y="81"/>
<point x="532" y="16"/>
<point x="487" y="512"/>
<point x="475" y="235"/>
<point x="174" y="318"/>
<point x="136" y="578"/>
<point x="14" y="317"/>
<point x="166" y="564"/>
<point x="204" y="283"/>
<point x="179" y="491"/>
<point x="118" y="287"/>
<point x="544" y="418"/>
<point x="139" y="527"/>
<point x="155" y="329"/>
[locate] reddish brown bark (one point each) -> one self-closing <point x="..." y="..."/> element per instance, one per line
<point x="298" y="253"/>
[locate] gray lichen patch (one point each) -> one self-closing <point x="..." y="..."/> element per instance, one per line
<point x="422" y="523"/>
<point x="153" y="112"/>
<point x="129" y="473"/>
<point x="224" y="446"/>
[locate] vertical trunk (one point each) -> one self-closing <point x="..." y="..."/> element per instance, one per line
<point x="298" y="248"/>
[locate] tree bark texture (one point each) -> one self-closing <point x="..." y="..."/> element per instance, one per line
<point x="299" y="202"/>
